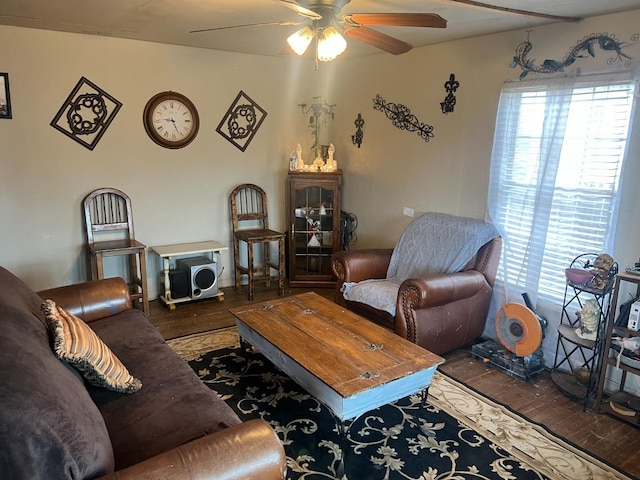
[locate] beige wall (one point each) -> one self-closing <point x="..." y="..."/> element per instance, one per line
<point x="396" y="168"/>
<point x="181" y="195"/>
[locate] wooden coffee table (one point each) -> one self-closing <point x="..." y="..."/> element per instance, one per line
<point x="346" y="362"/>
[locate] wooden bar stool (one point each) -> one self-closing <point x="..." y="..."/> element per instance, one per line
<point x="250" y="220"/>
<point x="107" y="213"/>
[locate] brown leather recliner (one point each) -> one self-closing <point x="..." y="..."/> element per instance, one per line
<point x="439" y="312"/>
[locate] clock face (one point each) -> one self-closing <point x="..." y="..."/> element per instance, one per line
<point x="171" y="120"/>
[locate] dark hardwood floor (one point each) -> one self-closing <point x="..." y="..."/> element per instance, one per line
<point x="538" y="399"/>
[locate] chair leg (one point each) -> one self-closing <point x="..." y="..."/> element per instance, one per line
<point x="99" y="267"/>
<point x="266" y="247"/>
<point x="134" y="280"/>
<point x="281" y="262"/>
<point x="91" y="266"/>
<point x="236" y="261"/>
<point x="250" y="268"/>
<point x="143" y="280"/>
<point x="137" y="280"/>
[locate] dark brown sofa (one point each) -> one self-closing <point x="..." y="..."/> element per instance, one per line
<point x="439" y="312"/>
<point x="55" y="426"/>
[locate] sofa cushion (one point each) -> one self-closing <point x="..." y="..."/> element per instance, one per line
<point x="378" y="293"/>
<point x="49" y="426"/>
<point x="76" y="343"/>
<point x="174" y="406"/>
<point x="436" y="243"/>
<point x="15" y="293"/>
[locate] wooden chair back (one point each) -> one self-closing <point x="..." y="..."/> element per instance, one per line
<point x="108" y="210"/>
<point x="249" y="208"/>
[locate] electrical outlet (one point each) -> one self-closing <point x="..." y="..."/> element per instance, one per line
<point x="408" y="212"/>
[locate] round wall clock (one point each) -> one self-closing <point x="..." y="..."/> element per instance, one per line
<point x="171" y="120"/>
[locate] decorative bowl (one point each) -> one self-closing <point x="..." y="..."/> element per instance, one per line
<point x="582" y="375"/>
<point x="578" y="275"/>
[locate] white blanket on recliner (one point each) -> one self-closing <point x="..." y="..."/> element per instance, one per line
<point x="433" y="243"/>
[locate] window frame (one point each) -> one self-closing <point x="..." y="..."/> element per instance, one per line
<point x="532" y="272"/>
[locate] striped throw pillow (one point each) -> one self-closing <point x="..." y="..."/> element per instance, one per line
<point x="77" y="344"/>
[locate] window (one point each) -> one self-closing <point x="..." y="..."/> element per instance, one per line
<point x="557" y="159"/>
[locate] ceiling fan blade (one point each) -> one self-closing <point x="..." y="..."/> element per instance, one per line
<point x="285" y="23"/>
<point x="378" y="40"/>
<point x="474" y="3"/>
<point x="305" y="12"/>
<point x="397" y="19"/>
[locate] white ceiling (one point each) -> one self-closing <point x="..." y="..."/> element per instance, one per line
<point x="171" y="21"/>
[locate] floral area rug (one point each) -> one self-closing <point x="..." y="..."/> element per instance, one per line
<point x="464" y="435"/>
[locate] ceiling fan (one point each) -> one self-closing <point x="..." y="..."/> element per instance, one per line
<point x="328" y="26"/>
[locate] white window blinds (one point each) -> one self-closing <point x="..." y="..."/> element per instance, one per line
<point x="558" y="151"/>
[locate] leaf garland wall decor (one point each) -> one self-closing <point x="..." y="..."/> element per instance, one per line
<point x="584" y="49"/>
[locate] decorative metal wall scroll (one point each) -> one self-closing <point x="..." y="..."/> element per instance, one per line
<point x="357" y="138"/>
<point x="584" y="49"/>
<point x="86" y="114"/>
<point x="242" y="121"/>
<point x="450" y="100"/>
<point x="402" y="118"/>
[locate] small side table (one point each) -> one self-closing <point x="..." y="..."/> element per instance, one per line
<point x="167" y="254"/>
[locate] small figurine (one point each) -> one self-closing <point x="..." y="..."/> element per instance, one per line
<point x="313" y="229"/>
<point x="589" y="320"/>
<point x="331" y="163"/>
<point x="293" y="161"/>
<point x="300" y="165"/>
<point x="601" y="267"/>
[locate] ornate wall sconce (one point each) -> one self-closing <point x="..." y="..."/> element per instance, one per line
<point x="450" y="100"/>
<point x="357" y="138"/>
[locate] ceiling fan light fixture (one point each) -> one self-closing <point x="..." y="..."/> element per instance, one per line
<point x="330" y="44"/>
<point x="300" y="40"/>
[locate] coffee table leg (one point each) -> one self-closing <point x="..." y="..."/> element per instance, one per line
<point x="425" y="394"/>
<point x="244" y="345"/>
<point x="343" y="426"/>
<point x="343" y="430"/>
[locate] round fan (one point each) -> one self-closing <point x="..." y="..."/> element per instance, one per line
<point x="518" y="329"/>
<point x="325" y="14"/>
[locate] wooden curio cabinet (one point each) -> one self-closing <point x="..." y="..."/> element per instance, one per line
<point x="313" y="211"/>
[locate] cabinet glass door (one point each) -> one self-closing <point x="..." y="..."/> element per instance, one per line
<point x="313" y="231"/>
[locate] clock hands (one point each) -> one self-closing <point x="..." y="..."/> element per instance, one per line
<point x="174" y="123"/>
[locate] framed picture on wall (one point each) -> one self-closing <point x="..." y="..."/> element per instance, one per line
<point x="5" y="97"/>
